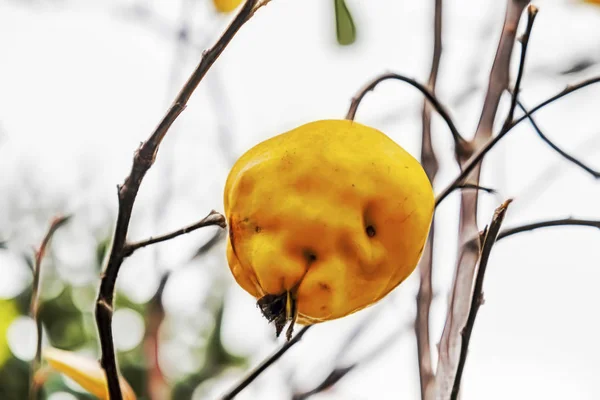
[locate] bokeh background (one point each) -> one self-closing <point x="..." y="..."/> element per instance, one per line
<point x="83" y="82"/>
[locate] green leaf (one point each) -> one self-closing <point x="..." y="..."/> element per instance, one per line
<point x="344" y="25"/>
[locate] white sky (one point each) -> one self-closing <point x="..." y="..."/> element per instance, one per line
<point x="82" y="83"/>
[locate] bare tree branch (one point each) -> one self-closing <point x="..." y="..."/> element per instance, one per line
<point x="471" y="166"/>
<point x="214" y="218"/>
<point x="476" y="187"/>
<point x="489" y="239"/>
<point x="430" y="165"/>
<point x="568" y="90"/>
<point x="143" y="159"/>
<point x="458" y="310"/>
<point x="339" y="372"/>
<point x="547" y="224"/>
<point x="476" y="158"/>
<point x="595" y="174"/>
<point x="264" y="365"/>
<point x="56" y="223"/>
<point x="504" y="233"/>
<point x="459" y="141"/>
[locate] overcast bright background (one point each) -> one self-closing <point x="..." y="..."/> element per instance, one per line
<point x="83" y="82"/>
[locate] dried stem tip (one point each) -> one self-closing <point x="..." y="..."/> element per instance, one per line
<point x="281" y="309"/>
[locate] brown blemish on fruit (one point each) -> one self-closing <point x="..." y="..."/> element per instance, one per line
<point x="232" y="225"/>
<point x="325" y="287"/>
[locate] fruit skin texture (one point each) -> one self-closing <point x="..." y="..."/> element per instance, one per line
<point x="226" y="6"/>
<point x="334" y="208"/>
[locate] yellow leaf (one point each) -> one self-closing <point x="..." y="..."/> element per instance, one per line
<point x="8" y="312"/>
<point x="86" y="372"/>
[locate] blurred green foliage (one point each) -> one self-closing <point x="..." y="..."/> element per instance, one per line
<point x="68" y="320"/>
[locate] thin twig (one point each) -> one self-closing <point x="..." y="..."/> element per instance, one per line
<point x="531" y="14"/>
<point x="352" y="337"/>
<point x="504" y="233"/>
<point x="547" y="224"/>
<point x="56" y="223"/>
<point x="265" y="364"/>
<point x="497" y="85"/>
<point x="476" y="158"/>
<point x="339" y="372"/>
<point x="143" y="159"/>
<point x="460" y="295"/>
<point x="566" y="91"/>
<point x="489" y="239"/>
<point x="459" y="141"/>
<point x="594" y="173"/>
<point x="430" y="165"/>
<point x="212" y="219"/>
<point x="473" y="186"/>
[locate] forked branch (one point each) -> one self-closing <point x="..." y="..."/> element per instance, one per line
<point x="489" y="235"/>
<point x="127" y="192"/>
<point x="561" y="152"/>
<point x="460" y="295"/>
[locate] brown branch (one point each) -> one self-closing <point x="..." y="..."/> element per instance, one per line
<point x="460" y="296"/>
<point x="430" y="165"/>
<point x="594" y="173"/>
<point x="473" y="186"/>
<point x="143" y="159"/>
<point x="498" y="84"/>
<point x="349" y="341"/>
<point x="490" y="236"/>
<point x="547" y="224"/>
<point x="339" y="372"/>
<point x="568" y="90"/>
<point x="531" y="14"/>
<point x="541" y="224"/>
<point x="214" y="218"/>
<point x="265" y="364"/>
<point x="459" y="141"/>
<point x="476" y="158"/>
<point x="56" y="223"/>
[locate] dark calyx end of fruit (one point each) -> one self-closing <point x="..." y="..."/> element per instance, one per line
<point x="280" y="308"/>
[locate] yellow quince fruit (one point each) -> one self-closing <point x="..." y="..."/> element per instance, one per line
<point x="86" y="372"/>
<point x="325" y="220"/>
<point x="226" y="6"/>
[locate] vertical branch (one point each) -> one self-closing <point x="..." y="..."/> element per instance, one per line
<point x="490" y="235"/>
<point x="56" y="223"/>
<point x="430" y="165"/>
<point x="143" y="159"/>
<point x="468" y="255"/>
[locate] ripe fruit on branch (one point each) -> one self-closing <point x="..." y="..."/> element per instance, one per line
<point x="226" y="6"/>
<point x="325" y="220"/>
